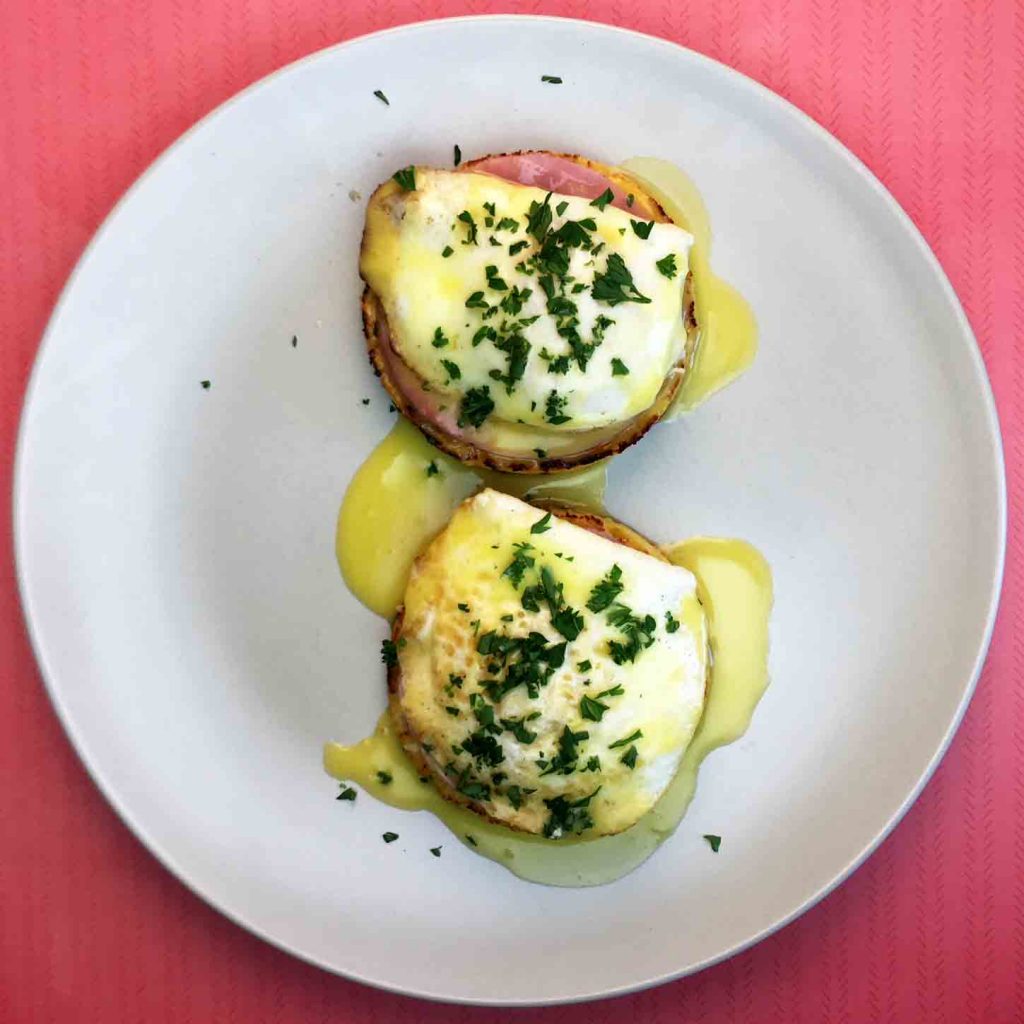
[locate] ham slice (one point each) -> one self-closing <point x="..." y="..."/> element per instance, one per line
<point x="558" y="174"/>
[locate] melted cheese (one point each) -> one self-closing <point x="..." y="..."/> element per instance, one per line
<point x="425" y="292"/>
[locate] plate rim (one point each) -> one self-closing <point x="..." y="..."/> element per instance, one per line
<point x="823" y="137"/>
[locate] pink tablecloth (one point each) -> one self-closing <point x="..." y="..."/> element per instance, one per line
<point x="931" y="95"/>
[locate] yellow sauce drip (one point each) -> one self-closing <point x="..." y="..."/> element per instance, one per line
<point x="396" y="504"/>
<point x="735" y="586"/>
<point x="728" y="331"/>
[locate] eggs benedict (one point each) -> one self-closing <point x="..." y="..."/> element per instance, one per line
<point x="528" y="312"/>
<point x="547" y="669"/>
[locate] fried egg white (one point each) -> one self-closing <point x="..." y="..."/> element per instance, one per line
<point x="524" y="702"/>
<point x="461" y="254"/>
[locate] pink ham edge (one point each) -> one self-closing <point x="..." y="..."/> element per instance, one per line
<point x="542" y="170"/>
<point x="557" y="174"/>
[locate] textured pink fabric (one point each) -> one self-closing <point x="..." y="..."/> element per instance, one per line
<point x="930" y="93"/>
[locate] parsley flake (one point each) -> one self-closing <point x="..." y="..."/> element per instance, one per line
<point x="619" y="368"/>
<point x="642" y="228"/>
<point x="671" y="623"/>
<point x="603" y="199"/>
<point x="551" y="79"/>
<point x="385" y="778"/>
<point x="436" y="850"/>
<point x="406" y="178"/>
<point x="432" y="469"/>
<point x="389" y="653"/>
<point x="440" y="340"/>
<point x="542" y="525"/>
<point x="447" y="251"/>
<point x="554" y="408"/>
<point x="347" y="792"/>
<point x="616" y="285"/>
<point x="452" y="369"/>
<point x="458" y="155"/>
<point x="714" y="842"/>
<point x="476" y="406"/>
<point x="629" y="757"/>
<point x="467" y="218"/>
<point x="389" y="837"/>
<point x="592" y="709"/>
<point x="602" y="595"/>
<point x="638" y="734"/>
<point x="667" y="266"/>
<point x="382" y="97"/>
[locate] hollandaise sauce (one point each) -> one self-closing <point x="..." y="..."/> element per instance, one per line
<point x="735" y="587"/>
<point x="728" y="331"/>
<point x="403" y="495"/>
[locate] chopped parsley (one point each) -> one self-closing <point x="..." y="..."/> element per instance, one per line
<point x="554" y="408"/>
<point x="592" y="709"/>
<point x="542" y="525"/>
<point x="521" y="561"/>
<point x="493" y="281"/>
<point x="458" y="155"/>
<point x="561" y="208"/>
<point x="205" y="385"/>
<point x="406" y="178"/>
<point x="568" y="816"/>
<point x="540" y="453"/>
<point x="436" y="850"/>
<point x="476" y="406"/>
<point x="671" y="623"/>
<point x="476" y="301"/>
<point x="630" y="200"/>
<point x="638" y="633"/>
<point x="619" y="368"/>
<point x="447" y="251"/>
<point x="602" y="595"/>
<point x="714" y="842"/>
<point x="603" y="199"/>
<point x="389" y="653"/>
<point x="667" y="266"/>
<point x="538" y="221"/>
<point x="616" y="285"/>
<point x="564" y="762"/>
<point x="463" y="607"/>
<point x="453" y="711"/>
<point x="432" y="468"/>
<point x="347" y="792"/>
<point x="519" y="730"/>
<point x="467" y="218"/>
<point x="389" y="837"/>
<point x="295" y="341"/>
<point x="629" y="757"/>
<point x="517" y="246"/>
<point x="470" y="840"/>
<point x="439" y="340"/>
<point x="385" y="778"/>
<point x="585" y="666"/>
<point x="452" y="369"/>
<point x="551" y="79"/>
<point x="638" y="734"/>
<point x="380" y="95"/>
<point x="642" y="228"/>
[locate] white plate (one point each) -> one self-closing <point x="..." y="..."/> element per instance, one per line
<point x="175" y="544"/>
